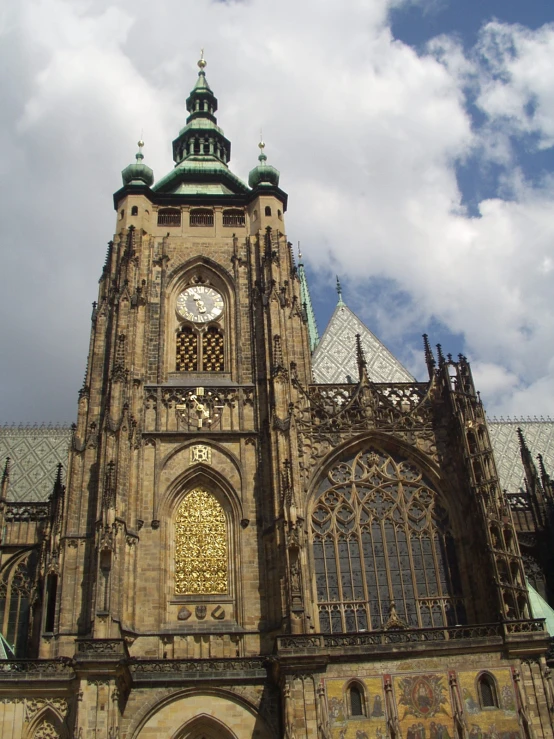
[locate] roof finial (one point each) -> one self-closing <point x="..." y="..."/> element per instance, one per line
<point x="139" y="155"/>
<point x="261" y="147"/>
<point x="339" y="291"/>
<point x="299" y="254"/>
<point x="202" y="62"/>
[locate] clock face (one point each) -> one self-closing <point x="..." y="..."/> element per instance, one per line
<point x="200" y="304"/>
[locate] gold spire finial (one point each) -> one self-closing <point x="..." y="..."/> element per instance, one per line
<point x="202" y="62"/>
<point x="140" y="143"/>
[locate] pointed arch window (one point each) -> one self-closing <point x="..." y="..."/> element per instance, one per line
<point x="383" y="550"/>
<point x="486" y="688"/>
<point x="201" y="551"/>
<point x="17" y="588"/>
<point x="356" y="700"/>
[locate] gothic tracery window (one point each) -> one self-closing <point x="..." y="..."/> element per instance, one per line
<point x="201" y="557"/>
<point x="16" y="591"/>
<point x="383" y="551"/>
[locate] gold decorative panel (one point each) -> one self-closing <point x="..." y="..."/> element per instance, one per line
<point x="187" y="350"/>
<point x="213" y="351"/>
<point x="200" y="546"/>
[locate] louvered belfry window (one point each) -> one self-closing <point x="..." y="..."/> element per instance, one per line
<point x="383" y="551"/>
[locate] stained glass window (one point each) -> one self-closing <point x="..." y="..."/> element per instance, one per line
<point x="382" y="548"/>
<point x="200" y="545"/>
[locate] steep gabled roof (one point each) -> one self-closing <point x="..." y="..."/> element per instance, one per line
<point x="539" y="436"/>
<point x="334" y="359"/>
<point x="34" y="453"/>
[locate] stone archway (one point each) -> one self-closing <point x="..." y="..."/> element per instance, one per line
<point x="205" y="727"/>
<point x="203" y="715"/>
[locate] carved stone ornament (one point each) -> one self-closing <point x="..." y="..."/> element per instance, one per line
<point x="46" y="731"/>
<point x="200" y="453"/>
<point x="184" y="614"/>
<point x="33" y="706"/>
<point x="218" y="613"/>
<point x="200" y="612"/>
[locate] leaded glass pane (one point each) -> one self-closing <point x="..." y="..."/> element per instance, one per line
<point x="382" y="539"/>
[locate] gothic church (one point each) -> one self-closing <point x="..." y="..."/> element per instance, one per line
<point x="241" y="544"/>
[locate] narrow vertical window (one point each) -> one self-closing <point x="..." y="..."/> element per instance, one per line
<point x="356" y="701"/>
<point x="487" y="692"/>
<point x="51" y="593"/>
<point x="187" y="350"/>
<point x="200" y="546"/>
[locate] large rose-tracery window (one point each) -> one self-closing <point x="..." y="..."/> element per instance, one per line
<point x="383" y="551"/>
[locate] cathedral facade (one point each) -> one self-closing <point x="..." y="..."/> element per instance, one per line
<point x="234" y="550"/>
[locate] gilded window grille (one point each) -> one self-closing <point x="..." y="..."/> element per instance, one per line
<point x="382" y="546"/>
<point x="201" y="559"/>
<point x="213" y="351"/>
<point x="187" y="350"/>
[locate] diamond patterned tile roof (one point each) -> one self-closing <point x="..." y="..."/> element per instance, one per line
<point x="539" y="435"/>
<point x="34" y="453"/>
<point x="334" y="359"/>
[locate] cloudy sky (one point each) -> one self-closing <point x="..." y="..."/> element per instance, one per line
<point x="415" y="139"/>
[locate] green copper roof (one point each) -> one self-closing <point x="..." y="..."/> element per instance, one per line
<point x="308" y="307"/>
<point x="264" y="174"/>
<point x="201" y="175"/>
<point x="138" y="173"/>
<point x="540" y="608"/>
<point x="201" y="152"/>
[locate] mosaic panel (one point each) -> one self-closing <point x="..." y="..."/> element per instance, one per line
<point x="372" y="725"/>
<point x="490" y="723"/>
<point x="423" y="705"/>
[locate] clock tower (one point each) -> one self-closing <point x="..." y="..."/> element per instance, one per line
<point x="239" y="551"/>
<point x="179" y="486"/>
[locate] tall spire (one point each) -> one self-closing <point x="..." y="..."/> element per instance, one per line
<point x="306" y="299"/>
<point x="201" y="152"/>
<point x="201" y="137"/>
